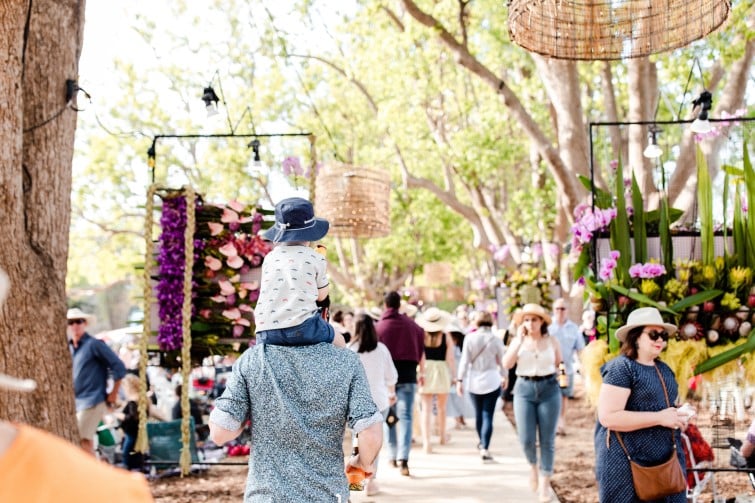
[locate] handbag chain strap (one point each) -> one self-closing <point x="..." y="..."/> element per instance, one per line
<point x="668" y="403"/>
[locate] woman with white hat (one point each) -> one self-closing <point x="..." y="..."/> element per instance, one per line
<point x="537" y="396"/>
<point x="636" y="402"/>
<point x="440" y="366"/>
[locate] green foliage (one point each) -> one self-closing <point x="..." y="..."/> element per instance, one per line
<point x="638" y="224"/>
<point x="705" y="205"/>
<point x="619" y="230"/>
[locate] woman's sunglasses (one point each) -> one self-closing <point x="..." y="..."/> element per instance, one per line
<point x="658" y="334"/>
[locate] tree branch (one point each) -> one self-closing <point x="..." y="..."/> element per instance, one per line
<point x="564" y="179"/>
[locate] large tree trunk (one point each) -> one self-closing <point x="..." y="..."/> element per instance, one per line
<point x="42" y="41"/>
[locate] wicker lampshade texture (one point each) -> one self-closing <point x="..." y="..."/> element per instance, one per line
<point x="355" y="200"/>
<point x="611" y="30"/>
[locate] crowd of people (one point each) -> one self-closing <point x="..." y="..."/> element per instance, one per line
<point x="372" y="375"/>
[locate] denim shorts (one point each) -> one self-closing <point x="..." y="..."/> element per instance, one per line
<point x="312" y="331"/>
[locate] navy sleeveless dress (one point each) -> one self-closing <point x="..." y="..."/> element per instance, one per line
<point x="648" y="446"/>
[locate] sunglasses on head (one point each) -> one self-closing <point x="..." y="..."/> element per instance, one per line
<point x="657" y="334"/>
<point x="76" y="322"/>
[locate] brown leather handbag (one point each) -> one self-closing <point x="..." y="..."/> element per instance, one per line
<point x="655" y="482"/>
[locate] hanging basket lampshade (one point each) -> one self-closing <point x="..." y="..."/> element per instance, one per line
<point x="611" y="29"/>
<point x="355" y="201"/>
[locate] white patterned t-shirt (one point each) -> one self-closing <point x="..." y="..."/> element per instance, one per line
<point x="291" y="278"/>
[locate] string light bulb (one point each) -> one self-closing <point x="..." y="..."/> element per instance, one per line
<point x="701" y="124"/>
<point x="653" y="151"/>
<point x="211" y="100"/>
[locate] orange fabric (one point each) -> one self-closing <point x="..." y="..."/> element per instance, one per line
<point x="39" y="467"/>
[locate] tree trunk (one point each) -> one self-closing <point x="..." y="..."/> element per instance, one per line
<point x="42" y="41"/>
<point x="641" y="108"/>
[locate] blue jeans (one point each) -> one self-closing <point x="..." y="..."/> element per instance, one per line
<point x="131" y="460"/>
<point x="537" y="405"/>
<point x="484" y="406"/>
<point x="400" y="436"/>
<point x="312" y="331"/>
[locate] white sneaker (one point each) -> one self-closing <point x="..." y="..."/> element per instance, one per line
<point x="371" y="487"/>
<point x="485" y="454"/>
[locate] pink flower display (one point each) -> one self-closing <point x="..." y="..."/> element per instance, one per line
<point x="647" y="271"/>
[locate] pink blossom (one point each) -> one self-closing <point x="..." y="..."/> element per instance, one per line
<point x="218" y="298"/>
<point x="229" y="216"/>
<point x="647" y="271"/>
<point x="232" y="314"/>
<point x="243" y="321"/>
<point x="653" y="270"/>
<point x="743" y="202"/>
<point x="501" y="253"/>
<point x="238" y="330"/>
<point x="608" y="265"/>
<point x="235" y="262"/>
<point x="292" y="166"/>
<point x="308" y="171"/>
<point x="205" y="313"/>
<point x="614" y="164"/>
<point x="635" y="270"/>
<point x="554" y="250"/>
<point x="236" y="206"/>
<point x="246" y="308"/>
<point x="255" y="285"/>
<point x="228" y="249"/>
<point x="226" y="288"/>
<point x="537" y="252"/>
<point x="212" y="263"/>
<point x="215" y="228"/>
<point x="235" y="278"/>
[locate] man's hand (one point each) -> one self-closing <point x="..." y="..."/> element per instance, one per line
<point x="357" y="462"/>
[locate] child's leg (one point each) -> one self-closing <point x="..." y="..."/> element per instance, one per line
<point x="312" y="331"/>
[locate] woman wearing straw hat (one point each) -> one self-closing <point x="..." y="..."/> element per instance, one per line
<point x="633" y="402"/>
<point x="439" y="369"/>
<point x="537" y="397"/>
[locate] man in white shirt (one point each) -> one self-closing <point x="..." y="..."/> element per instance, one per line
<point x="570" y="338"/>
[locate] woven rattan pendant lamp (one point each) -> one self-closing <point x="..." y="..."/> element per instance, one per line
<point x="611" y="29"/>
<point x="355" y="200"/>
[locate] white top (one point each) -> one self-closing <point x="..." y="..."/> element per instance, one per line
<point x="540" y="362"/>
<point x="291" y="277"/>
<point x="381" y="373"/>
<point x="479" y="368"/>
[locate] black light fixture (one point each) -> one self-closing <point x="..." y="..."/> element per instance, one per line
<point x="211" y="100"/>
<point x="701" y="124"/>
<point x="255" y="146"/>
<point x="653" y="151"/>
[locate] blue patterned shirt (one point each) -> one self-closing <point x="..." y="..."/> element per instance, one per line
<point x="299" y="400"/>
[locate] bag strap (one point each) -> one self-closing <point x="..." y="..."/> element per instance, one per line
<point x="668" y="403"/>
<point x="482" y="350"/>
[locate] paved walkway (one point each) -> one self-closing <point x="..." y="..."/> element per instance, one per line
<point x="455" y="472"/>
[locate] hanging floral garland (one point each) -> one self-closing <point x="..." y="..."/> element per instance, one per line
<point x="227" y="254"/>
<point x="171" y="263"/>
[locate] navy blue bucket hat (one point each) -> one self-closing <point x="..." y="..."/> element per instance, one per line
<point x="295" y="221"/>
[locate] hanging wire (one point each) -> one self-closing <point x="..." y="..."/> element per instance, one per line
<point x="287" y="58"/>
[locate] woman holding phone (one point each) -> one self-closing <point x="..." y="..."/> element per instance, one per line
<point x="537" y="396"/>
